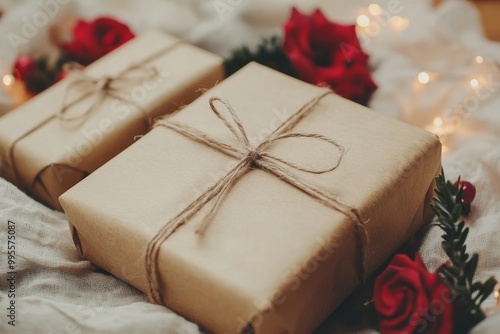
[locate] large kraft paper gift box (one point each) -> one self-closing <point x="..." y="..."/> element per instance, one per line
<point x="53" y="141"/>
<point x="276" y="256"/>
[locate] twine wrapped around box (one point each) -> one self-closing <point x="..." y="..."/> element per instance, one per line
<point x="251" y="158"/>
<point x="96" y="88"/>
<point x="240" y="215"/>
<point x="59" y="137"/>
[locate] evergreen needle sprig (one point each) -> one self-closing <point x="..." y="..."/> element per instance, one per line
<point x="269" y="53"/>
<point x="460" y="270"/>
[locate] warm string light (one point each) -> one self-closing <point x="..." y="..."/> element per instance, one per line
<point x="399" y="23"/>
<point x="371" y="19"/>
<point x="363" y="21"/>
<point x="474" y="84"/>
<point x="374" y="9"/>
<point x="15" y="89"/>
<point x="438" y="122"/>
<point x="424" y="78"/>
<point x="8" y="80"/>
<point x="439" y="126"/>
<point x="372" y="15"/>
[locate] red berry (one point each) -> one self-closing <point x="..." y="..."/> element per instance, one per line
<point x="24" y="68"/>
<point x="468" y="192"/>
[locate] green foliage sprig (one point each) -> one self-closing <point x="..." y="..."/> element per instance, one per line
<point x="460" y="270"/>
<point x="269" y="53"/>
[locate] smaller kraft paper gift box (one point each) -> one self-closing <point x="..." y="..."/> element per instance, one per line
<point x="259" y="207"/>
<point x="55" y="140"/>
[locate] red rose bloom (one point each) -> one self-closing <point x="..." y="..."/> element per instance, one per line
<point x="409" y="299"/>
<point x="25" y="68"/>
<point x="94" y="39"/>
<point x="326" y="53"/>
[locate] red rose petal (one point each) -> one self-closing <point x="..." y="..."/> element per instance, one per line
<point x="24" y="68"/>
<point x="406" y="296"/>
<point x="303" y="66"/>
<point x="297" y="31"/>
<point x="94" y="39"/>
<point x="323" y="53"/>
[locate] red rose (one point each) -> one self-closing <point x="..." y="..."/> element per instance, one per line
<point x="94" y="39"/>
<point x="25" y="68"/>
<point x="409" y="299"/>
<point x="326" y="53"/>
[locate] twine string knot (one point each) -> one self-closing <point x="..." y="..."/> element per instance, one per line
<point x="249" y="157"/>
<point x="99" y="88"/>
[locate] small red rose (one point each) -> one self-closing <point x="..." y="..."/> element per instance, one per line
<point x="328" y="54"/>
<point x="408" y="299"/>
<point x="25" y="68"/>
<point x="94" y="39"/>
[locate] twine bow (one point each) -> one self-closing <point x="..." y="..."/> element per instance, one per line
<point x="250" y="157"/>
<point x="99" y="88"/>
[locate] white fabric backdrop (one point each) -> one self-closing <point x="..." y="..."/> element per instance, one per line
<point x="60" y="293"/>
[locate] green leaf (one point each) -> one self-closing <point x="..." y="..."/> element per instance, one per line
<point x="41" y="64"/>
<point x="460" y="273"/>
<point x="460" y="226"/>
<point x="487" y="289"/>
<point x="470" y="267"/>
<point x="269" y="53"/>
<point x="63" y="59"/>
<point x="477" y="286"/>
<point x="464" y="257"/>
<point x="454" y="190"/>
<point x="450" y="274"/>
<point x="448" y="249"/>
<point x="459" y="195"/>
<point x="456" y="213"/>
<point x="447" y="237"/>
<point x="442" y="211"/>
<point x="463" y="236"/>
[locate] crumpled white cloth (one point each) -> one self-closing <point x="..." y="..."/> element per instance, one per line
<point x="60" y="293"/>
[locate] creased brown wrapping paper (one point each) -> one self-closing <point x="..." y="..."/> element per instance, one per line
<point x="59" y="154"/>
<point x="272" y="258"/>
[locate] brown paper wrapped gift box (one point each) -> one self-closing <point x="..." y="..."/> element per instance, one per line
<point x="272" y="258"/>
<point x="51" y="155"/>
